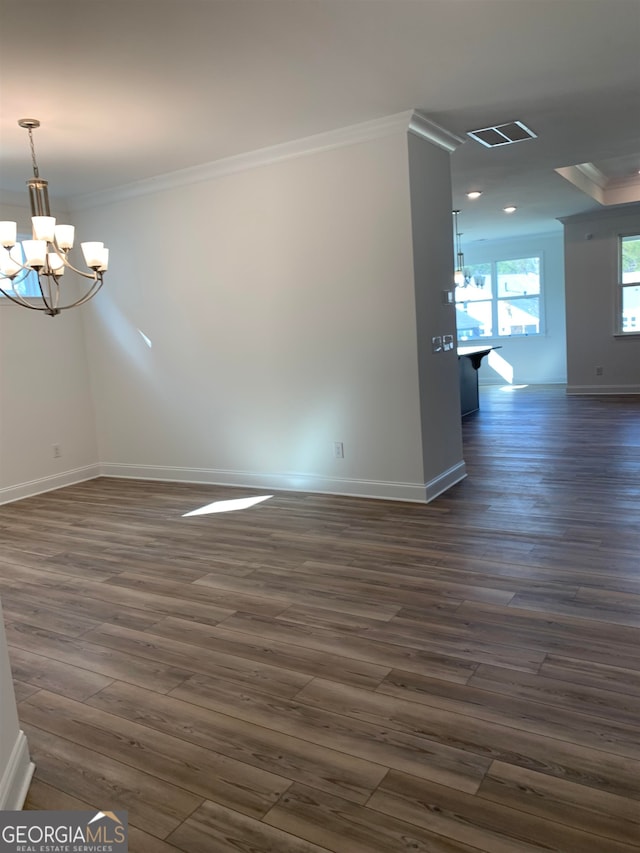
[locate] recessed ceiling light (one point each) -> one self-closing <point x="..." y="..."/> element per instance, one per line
<point x="510" y="209"/>
<point x="474" y="194"/>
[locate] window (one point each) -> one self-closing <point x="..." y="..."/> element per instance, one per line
<point x="499" y="299"/>
<point x="629" y="280"/>
<point x="25" y="284"/>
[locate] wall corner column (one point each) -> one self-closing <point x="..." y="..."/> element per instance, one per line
<point x="429" y="150"/>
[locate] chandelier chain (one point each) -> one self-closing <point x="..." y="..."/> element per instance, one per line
<point x="36" y="173"/>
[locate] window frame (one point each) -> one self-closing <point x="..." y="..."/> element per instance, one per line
<point x="620" y="286"/>
<point x="33" y="297"/>
<point x="495" y="299"/>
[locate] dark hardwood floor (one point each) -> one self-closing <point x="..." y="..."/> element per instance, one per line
<point x="321" y="673"/>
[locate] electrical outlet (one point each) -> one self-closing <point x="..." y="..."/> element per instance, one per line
<point x="338" y="449"/>
<point x="57" y="451"/>
<point x="436" y="343"/>
<point x="599" y="371"/>
<point x="447" y="342"/>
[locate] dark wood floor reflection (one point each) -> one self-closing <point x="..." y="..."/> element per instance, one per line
<point x="322" y="673"/>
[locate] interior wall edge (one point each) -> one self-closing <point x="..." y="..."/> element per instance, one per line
<point x="440" y="484"/>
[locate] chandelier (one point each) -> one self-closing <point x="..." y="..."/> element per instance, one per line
<point x="47" y="254"/>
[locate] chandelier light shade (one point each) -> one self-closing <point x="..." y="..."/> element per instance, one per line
<point x="459" y="272"/>
<point x="47" y="253"/>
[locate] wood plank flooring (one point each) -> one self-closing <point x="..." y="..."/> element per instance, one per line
<point x="321" y="674"/>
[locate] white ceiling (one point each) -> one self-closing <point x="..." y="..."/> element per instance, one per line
<point x="129" y="89"/>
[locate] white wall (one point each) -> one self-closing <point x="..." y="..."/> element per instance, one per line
<point x="591" y="259"/>
<point x="45" y="396"/>
<point x="16" y="768"/>
<point x="529" y="360"/>
<point x="252" y="320"/>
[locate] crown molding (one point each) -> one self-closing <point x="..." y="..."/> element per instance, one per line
<point x="577" y="175"/>
<point x="421" y="126"/>
<point x="601" y="214"/>
<point x="622" y="192"/>
<point x="593" y="174"/>
<point x="608" y="192"/>
<point x="351" y="135"/>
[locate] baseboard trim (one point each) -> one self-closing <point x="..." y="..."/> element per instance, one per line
<point x="444" y="481"/>
<point x="603" y="390"/>
<point x="292" y="482"/>
<point x="16" y="778"/>
<point x="390" y="491"/>
<point x="48" y="484"/>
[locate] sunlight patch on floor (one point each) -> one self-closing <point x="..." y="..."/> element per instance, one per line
<point x="227" y="506"/>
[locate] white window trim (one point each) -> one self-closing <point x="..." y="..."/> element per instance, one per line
<point x="493" y="262"/>
<point x="3" y="299"/>
<point x="619" y="330"/>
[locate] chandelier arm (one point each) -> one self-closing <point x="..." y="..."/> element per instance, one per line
<point x="53" y="306"/>
<point x="47" y="298"/>
<point x="18" y="275"/>
<point x="20" y="301"/>
<point x="50" y="301"/>
<point x="87" y="296"/>
<point x="92" y="275"/>
<point x="23" y="267"/>
<point x="79" y="272"/>
<point x="57" y="291"/>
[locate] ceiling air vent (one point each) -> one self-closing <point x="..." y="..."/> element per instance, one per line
<point x="502" y="134"/>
